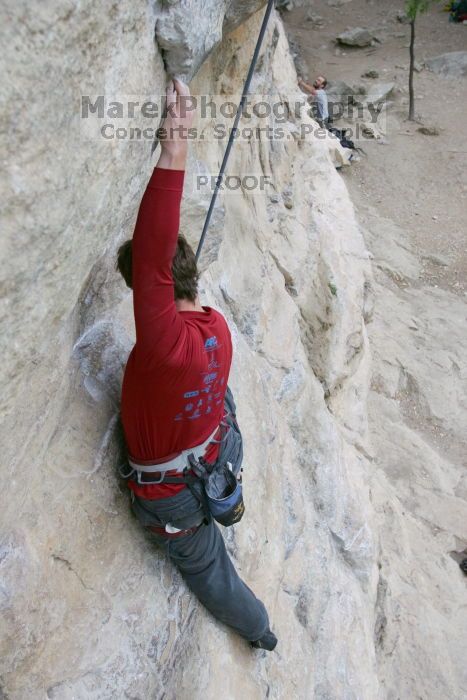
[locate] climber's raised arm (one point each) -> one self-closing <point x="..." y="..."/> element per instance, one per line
<point x="306" y="87"/>
<point x="158" y="326"/>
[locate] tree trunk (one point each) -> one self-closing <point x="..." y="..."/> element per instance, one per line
<point x="411" y="70"/>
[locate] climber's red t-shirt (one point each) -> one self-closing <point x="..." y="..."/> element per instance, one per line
<point x="176" y="375"/>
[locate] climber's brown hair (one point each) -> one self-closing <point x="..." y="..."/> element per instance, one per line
<point x="184" y="268"/>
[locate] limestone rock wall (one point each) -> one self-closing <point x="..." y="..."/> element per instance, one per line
<point x="418" y="481"/>
<point x="89" y="609"/>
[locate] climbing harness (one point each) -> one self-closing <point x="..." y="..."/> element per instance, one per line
<point x="217" y="487"/>
<point x="238" y="115"/>
<point x="178" y="463"/>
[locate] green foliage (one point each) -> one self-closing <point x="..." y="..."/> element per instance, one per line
<point x="332" y="289"/>
<point x="416" y="7"/>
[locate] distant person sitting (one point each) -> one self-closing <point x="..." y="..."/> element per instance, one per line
<point x="318" y="92"/>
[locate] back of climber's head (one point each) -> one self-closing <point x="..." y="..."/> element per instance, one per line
<point x="184" y="269"/>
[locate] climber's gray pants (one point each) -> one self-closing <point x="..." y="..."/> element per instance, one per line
<point x="205" y="565"/>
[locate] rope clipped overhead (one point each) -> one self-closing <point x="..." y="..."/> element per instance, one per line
<point x="238" y="116"/>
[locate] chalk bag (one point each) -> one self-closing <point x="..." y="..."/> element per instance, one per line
<point x="226" y="507"/>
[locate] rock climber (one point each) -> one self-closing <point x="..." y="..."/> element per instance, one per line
<point x="175" y="400"/>
<point x="318" y="92"/>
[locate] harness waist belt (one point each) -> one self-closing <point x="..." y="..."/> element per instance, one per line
<point x="179" y="462"/>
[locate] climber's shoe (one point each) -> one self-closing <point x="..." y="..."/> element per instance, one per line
<point x="463" y="565"/>
<point x="268" y="641"/>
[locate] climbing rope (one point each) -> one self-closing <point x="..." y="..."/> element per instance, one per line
<point x="238" y="116"/>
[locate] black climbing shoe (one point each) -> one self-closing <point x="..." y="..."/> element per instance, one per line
<point x="463" y="565"/>
<point x="268" y="641"/>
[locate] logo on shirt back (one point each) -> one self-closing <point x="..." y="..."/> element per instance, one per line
<point x="190" y="394"/>
<point x="211" y="343"/>
<point x="211" y="396"/>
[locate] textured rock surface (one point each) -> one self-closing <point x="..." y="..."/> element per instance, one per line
<point x="355" y="37"/>
<point x="379" y="93"/>
<point x="89" y="609"/>
<point x="187" y="30"/>
<point x="450" y="65"/>
<point x="418" y="484"/>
